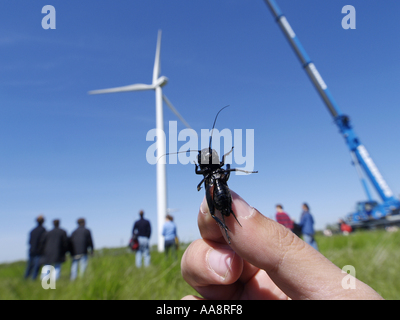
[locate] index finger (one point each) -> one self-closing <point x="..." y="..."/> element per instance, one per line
<point x="295" y="267"/>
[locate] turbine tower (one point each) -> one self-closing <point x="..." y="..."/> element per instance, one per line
<point x="157" y="84"/>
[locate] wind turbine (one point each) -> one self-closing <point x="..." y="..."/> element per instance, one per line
<point x="157" y="84"/>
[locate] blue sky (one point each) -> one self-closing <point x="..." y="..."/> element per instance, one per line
<point x="66" y="154"/>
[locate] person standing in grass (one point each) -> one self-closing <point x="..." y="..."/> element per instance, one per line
<point x="142" y="231"/>
<point x="34" y="250"/>
<point x="80" y="241"/>
<point x="55" y="245"/>
<point x="307" y="226"/>
<point x="169" y="233"/>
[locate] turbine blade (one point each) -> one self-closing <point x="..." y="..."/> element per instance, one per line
<point x="132" y="87"/>
<point x="157" y="64"/>
<point x="169" y="104"/>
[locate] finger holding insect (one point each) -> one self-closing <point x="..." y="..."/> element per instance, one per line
<point x="260" y="241"/>
<point x="209" y="228"/>
<point x="294" y="266"/>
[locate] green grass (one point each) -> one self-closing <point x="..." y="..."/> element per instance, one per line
<point x="375" y="255"/>
<point x="112" y="274"/>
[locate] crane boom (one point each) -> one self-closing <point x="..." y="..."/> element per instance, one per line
<point x="357" y="149"/>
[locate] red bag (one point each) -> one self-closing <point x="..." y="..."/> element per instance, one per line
<point x="134" y="244"/>
<point x="346" y="228"/>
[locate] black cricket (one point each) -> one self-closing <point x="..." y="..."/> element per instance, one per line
<point x="215" y="180"/>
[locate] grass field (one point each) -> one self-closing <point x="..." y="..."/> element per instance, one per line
<point x="375" y="256"/>
<point x="112" y="274"/>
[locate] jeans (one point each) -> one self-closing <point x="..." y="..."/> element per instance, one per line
<point x="32" y="267"/>
<point x="57" y="270"/>
<point x="143" y="251"/>
<point x="170" y="245"/>
<point x="310" y="240"/>
<point x="57" y="266"/>
<point x="82" y="261"/>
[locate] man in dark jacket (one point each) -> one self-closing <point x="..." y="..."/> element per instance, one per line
<point x="55" y="245"/>
<point x="80" y="241"/>
<point x="142" y="231"/>
<point x="34" y="250"/>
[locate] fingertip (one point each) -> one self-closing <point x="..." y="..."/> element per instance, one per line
<point x="191" y="297"/>
<point x="204" y="207"/>
<point x="241" y="207"/>
<point x="208" y="227"/>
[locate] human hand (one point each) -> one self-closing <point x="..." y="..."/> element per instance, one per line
<point x="264" y="261"/>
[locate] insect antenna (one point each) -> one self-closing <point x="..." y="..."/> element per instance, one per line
<point x="177" y="153"/>
<point x="209" y="146"/>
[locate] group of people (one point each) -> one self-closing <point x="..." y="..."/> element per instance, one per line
<point x="304" y="228"/>
<point x="141" y="233"/>
<point x="50" y="248"/>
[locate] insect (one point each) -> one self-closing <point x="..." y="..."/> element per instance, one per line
<point x="215" y="180"/>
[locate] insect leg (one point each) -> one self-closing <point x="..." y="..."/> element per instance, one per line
<point x="223" y="157"/>
<point x="226" y="229"/>
<point x="227" y="172"/>
<point x="234" y="169"/>
<point x="235" y="217"/>
<point x="196" y="169"/>
<point x="199" y="185"/>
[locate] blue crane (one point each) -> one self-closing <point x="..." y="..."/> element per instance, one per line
<point x="368" y="212"/>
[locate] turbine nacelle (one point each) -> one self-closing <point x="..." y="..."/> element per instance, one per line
<point x="160" y="82"/>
